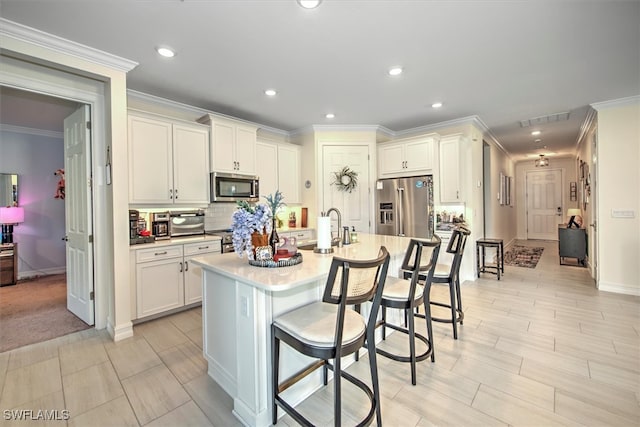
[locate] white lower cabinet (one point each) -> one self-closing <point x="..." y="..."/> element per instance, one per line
<point x="166" y="278"/>
<point x="301" y="236"/>
<point x="192" y="272"/>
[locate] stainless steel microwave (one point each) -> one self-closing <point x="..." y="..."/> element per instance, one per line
<point x="231" y="187"/>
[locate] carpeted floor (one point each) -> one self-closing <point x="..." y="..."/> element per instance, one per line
<point x="34" y="311"/>
<point x="523" y="256"/>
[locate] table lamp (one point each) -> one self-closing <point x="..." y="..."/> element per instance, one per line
<point x="573" y="213"/>
<point x="10" y="216"/>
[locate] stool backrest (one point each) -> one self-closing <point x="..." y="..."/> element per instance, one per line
<point x="353" y="282"/>
<point x="421" y="256"/>
<point x="456" y="247"/>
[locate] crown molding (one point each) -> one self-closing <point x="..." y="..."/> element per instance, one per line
<point x="589" y="121"/>
<point x="31" y="131"/>
<point x="36" y="37"/>
<point x="175" y="105"/>
<point x="614" y="103"/>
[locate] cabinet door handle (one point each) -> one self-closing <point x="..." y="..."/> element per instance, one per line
<point x="170" y="193"/>
<point x="176" y="192"/>
<point x="181" y="269"/>
<point x="457" y="194"/>
<point x="186" y="266"/>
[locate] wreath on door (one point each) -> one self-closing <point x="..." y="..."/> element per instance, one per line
<point x="345" y="179"/>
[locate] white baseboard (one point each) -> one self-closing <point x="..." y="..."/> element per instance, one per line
<point x="619" y="288"/>
<point x="120" y="332"/>
<point x="23" y="275"/>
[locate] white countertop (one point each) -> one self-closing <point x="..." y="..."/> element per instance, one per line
<point x="176" y="241"/>
<point x="313" y="267"/>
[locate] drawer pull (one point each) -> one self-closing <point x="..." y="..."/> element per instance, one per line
<point x="160" y="253"/>
<point x="203" y="247"/>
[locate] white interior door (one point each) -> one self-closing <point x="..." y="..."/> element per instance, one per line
<point x="78" y="223"/>
<point x="544" y="204"/>
<point x="354" y="206"/>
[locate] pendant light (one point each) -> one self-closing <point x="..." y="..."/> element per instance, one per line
<point x="542" y="161"/>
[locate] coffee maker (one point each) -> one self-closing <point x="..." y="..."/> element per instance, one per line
<point x="136" y="226"/>
<point x="134" y="215"/>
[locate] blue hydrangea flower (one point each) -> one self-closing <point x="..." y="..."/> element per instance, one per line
<point x="246" y="220"/>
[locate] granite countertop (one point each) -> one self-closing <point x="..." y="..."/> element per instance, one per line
<point x="313" y="267"/>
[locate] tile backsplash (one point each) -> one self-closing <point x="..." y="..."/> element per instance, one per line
<point x="218" y="216"/>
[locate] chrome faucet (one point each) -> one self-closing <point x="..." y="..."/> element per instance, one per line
<point x="336" y="239"/>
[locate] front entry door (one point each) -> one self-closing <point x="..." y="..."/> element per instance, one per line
<point x="78" y="222"/>
<point x="544" y="204"/>
<point x="354" y="206"/>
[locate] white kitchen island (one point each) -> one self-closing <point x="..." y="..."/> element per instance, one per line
<point x="239" y="304"/>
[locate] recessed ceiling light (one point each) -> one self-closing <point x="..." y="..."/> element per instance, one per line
<point x="395" y="71"/>
<point x="309" y="4"/>
<point x="270" y="92"/>
<point x="536" y="133"/>
<point x="166" y="52"/>
<point x="330" y="115"/>
<point x="537" y="141"/>
<point x="436" y="105"/>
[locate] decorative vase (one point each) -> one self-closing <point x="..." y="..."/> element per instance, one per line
<point x="274" y="240"/>
<point x="259" y="239"/>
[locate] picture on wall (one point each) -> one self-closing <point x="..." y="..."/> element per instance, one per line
<point x="502" y="193"/>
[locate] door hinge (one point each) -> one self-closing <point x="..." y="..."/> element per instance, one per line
<point x="91" y="295"/>
<point x="89" y="125"/>
<point x="90" y="238"/>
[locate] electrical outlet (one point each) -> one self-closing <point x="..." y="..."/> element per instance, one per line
<point x="244" y="306"/>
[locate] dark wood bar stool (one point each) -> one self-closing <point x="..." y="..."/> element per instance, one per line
<point x="407" y="295"/>
<point x="329" y="330"/>
<point x="481" y="266"/>
<point x="451" y="276"/>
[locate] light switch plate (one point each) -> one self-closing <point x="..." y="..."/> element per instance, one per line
<point x="622" y="213"/>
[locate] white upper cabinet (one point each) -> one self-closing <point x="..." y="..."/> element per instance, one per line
<point x="279" y="169"/>
<point x="233" y="145"/>
<point x="450" y="171"/>
<point x="409" y="157"/>
<point x="168" y="162"/>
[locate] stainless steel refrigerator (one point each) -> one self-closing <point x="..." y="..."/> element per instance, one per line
<point x="405" y="206"/>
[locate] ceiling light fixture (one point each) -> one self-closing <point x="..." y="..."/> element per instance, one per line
<point x="166" y="52"/>
<point x="395" y="71"/>
<point x="436" y="105"/>
<point x="330" y="115"/>
<point x="536" y="133"/>
<point x="537" y="141"/>
<point x="542" y="161"/>
<point x="309" y="4"/>
<point x="270" y="92"/>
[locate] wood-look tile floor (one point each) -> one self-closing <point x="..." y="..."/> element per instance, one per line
<point x="540" y="347"/>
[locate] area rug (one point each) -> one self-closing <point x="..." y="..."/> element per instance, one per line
<point x="523" y="256"/>
<point x="35" y="310"/>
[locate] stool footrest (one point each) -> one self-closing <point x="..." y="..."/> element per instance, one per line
<point x="419" y="357"/>
<point x="459" y="317"/>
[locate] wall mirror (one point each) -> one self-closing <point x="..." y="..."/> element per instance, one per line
<point x="8" y="189"/>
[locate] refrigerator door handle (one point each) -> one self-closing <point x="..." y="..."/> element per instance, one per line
<point x="400" y="211"/>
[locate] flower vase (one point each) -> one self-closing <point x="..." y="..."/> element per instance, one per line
<point x="259" y="239"/>
<point x="274" y="240"/>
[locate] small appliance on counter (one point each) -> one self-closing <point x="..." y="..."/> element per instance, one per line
<point x="186" y="223"/>
<point x="160" y="225"/>
<point x="137" y="229"/>
<point x="227" y="239"/>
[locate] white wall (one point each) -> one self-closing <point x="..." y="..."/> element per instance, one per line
<point x="618" y="187"/>
<point x="35" y="158"/>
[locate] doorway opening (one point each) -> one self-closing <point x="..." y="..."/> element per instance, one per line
<point x="35" y="151"/>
